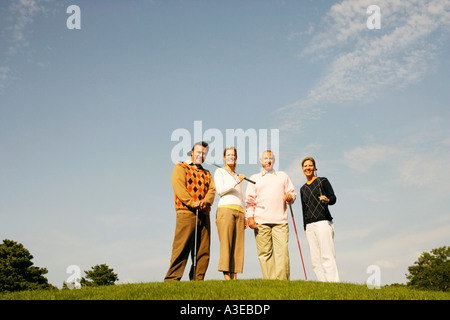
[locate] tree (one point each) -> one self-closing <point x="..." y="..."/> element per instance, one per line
<point x="17" y="271"/>
<point x="431" y="271"/>
<point x="100" y="275"/>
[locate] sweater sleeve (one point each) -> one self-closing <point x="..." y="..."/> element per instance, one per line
<point x="209" y="197"/>
<point x="223" y="186"/>
<point x="302" y="200"/>
<point x="179" y="185"/>
<point x="328" y="190"/>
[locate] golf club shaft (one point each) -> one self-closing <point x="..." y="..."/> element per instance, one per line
<point x="298" y="242"/>
<point x="320" y="184"/>
<point x="213" y="164"/>
<point x="195" y="245"/>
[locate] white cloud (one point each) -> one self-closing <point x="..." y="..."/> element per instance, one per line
<point x="19" y="16"/>
<point x="363" y="158"/>
<point x="363" y="61"/>
<point x="22" y="13"/>
<point x="428" y="171"/>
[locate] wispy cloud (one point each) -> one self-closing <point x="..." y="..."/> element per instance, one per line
<point x="362" y="61"/>
<point x="364" y="158"/>
<point x="406" y="165"/>
<point x="22" y="14"/>
<point x="16" y="20"/>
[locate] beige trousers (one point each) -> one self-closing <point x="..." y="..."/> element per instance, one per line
<point x="230" y="227"/>
<point x="272" y="247"/>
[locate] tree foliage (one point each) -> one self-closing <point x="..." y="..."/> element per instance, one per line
<point x="100" y="275"/>
<point x="17" y="272"/>
<point x="431" y="271"/>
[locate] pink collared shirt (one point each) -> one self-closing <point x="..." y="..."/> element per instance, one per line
<point x="264" y="199"/>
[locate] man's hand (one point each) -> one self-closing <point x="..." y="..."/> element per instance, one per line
<point x="252" y="223"/>
<point x="288" y="198"/>
<point x="200" y="205"/>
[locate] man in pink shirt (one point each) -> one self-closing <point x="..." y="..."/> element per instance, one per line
<point x="267" y="215"/>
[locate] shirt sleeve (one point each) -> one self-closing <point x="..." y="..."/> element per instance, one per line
<point x="289" y="188"/>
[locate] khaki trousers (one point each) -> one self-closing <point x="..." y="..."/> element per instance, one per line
<point x="230" y="227"/>
<point x="183" y="245"/>
<point x="272" y="247"/>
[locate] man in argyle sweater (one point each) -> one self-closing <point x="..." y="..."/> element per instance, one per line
<point x="194" y="192"/>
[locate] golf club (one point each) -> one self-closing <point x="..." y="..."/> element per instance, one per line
<point x="320" y="184"/>
<point x="213" y="164"/>
<point x="194" y="273"/>
<point x="298" y="242"/>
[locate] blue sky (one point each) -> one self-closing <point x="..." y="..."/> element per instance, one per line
<point x="86" y="118"/>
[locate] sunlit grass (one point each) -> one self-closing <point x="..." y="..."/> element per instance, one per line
<point x="255" y="289"/>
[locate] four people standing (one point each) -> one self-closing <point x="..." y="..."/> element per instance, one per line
<point x="265" y="207"/>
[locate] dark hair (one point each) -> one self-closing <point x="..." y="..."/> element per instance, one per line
<point x="200" y="143"/>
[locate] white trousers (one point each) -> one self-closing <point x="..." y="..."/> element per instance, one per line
<point x="320" y="236"/>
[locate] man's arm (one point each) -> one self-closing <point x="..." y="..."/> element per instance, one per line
<point x="250" y="202"/>
<point x="209" y="197"/>
<point x="179" y="186"/>
<point x="289" y="191"/>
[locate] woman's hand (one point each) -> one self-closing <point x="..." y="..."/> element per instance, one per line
<point x="324" y="199"/>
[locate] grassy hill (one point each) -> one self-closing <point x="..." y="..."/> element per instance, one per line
<point x="256" y="289"/>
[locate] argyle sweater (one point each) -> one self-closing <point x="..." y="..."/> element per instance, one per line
<point x="313" y="209"/>
<point x="190" y="184"/>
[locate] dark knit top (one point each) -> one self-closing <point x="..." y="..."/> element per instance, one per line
<point x="313" y="209"/>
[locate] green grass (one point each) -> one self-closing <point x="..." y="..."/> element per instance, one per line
<point x="256" y="289"/>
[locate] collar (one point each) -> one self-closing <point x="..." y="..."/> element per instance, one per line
<point x="311" y="181"/>
<point x="198" y="166"/>
<point x="264" y="172"/>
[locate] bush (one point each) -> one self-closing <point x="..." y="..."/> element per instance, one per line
<point x="431" y="271"/>
<point x="17" y="272"/>
<point x="100" y="275"/>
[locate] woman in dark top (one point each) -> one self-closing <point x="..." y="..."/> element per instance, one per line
<point x="316" y="195"/>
